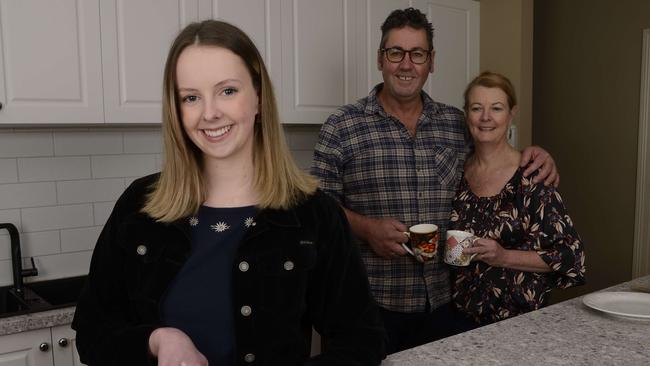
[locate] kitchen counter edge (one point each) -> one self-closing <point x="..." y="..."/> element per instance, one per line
<point x="37" y="320"/>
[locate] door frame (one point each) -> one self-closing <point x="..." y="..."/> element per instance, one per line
<point x="641" y="254"/>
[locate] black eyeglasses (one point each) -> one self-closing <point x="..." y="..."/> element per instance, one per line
<point x="396" y="54"/>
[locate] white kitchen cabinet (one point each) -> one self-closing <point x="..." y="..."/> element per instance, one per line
<point x="50" y="62"/>
<point x="22" y="349"/>
<point x="260" y="19"/>
<point x="42" y="347"/>
<point x="64" y="346"/>
<point x="319" y="42"/>
<point x="136" y="36"/>
<point x="456" y="41"/>
<point x="101" y="61"/>
<point x="329" y="52"/>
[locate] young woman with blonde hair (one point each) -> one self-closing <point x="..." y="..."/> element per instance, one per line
<point x="231" y="254"/>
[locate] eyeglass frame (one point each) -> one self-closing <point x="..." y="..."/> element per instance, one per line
<point x="428" y="53"/>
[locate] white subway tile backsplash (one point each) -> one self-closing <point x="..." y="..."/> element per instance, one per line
<point x="27" y="195"/>
<point x="129" y="180"/>
<point x="86" y="143"/>
<point x="101" y="212"/>
<point x="12" y="216"/>
<point x="31" y="244"/>
<point x="52" y="169"/>
<point x="113" y="166"/>
<point x="75" y="240"/>
<point x="61" y="265"/>
<point x="303" y="159"/>
<point x="56" y="217"/>
<point x="143" y="142"/>
<point x="24" y="144"/>
<point x="8" y="171"/>
<point x="5" y="245"/>
<point x="302" y="137"/>
<point x="5" y="273"/>
<point x="98" y="190"/>
<point x="40" y="243"/>
<point x="159" y="162"/>
<point x="59" y="185"/>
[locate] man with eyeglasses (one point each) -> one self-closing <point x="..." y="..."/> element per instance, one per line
<point x="395" y="159"/>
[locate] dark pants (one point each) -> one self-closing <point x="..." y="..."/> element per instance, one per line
<point x="407" y="330"/>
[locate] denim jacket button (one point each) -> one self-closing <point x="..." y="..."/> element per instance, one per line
<point x="246" y="310"/>
<point x="141" y="249"/>
<point x="288" y="265"/>
<point x="243" y="266"/>
<point x="249" y="357"/>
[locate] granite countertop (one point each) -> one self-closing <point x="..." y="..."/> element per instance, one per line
<point x="567" y="333"/>
<point x="39" y="320"/>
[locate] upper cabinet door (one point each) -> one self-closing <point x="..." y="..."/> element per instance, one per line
<point x="318" y="58"/>
<point x="136" y="35"/>
<point x="50" y="62"/>
<point x="456" y="41"/>
<point x="374" y="13"/>
<point x="260" y="20"/>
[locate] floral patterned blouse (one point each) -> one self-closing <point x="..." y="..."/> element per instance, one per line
<point x="523" y="216"/>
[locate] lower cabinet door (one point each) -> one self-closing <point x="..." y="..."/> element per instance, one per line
<point x="31" y="348"/>
<point x="64" y="346"/>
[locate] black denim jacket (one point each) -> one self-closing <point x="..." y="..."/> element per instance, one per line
<point x="295" y="269"/>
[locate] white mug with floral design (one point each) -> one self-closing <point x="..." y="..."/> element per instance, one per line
<point x="458" y="240"/>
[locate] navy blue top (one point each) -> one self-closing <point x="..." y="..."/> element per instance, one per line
<point x="199" y="299"/>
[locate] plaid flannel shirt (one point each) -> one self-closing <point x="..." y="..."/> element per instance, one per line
<point x="368" y="161"/>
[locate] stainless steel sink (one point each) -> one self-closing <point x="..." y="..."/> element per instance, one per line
<point x="40" y="296"/>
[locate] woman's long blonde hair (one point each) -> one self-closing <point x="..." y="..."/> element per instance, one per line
<point x="180" y="191"/>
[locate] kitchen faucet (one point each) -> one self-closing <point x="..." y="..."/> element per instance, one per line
<point x="17" y="261"/>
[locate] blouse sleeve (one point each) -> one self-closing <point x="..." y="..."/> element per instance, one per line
<point x="553" y="236"/>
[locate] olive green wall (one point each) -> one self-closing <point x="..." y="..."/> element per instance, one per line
<point x="507" y="48"/>
<point x="586" y="78"/>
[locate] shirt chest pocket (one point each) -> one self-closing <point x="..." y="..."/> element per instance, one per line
<point x="447" y="167"/>
<point x="151" y="262"/>
<point x="281" y="262"/>
<point x="285" y="276"/>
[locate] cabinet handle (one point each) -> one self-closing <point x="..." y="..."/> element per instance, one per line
<point x="63" y="342"/>
<point x="0" y="105"/>
<point x="44" y="347"/>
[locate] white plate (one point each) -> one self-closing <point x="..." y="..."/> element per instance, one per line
<point x="630" y="304"/>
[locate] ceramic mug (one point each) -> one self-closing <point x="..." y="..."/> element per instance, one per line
<point x="458" y="240"/>
<point x="423" y="242"/>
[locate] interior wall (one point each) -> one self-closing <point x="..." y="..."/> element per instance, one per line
<point x="586" y="81"/>
<point x="507" y="48"/>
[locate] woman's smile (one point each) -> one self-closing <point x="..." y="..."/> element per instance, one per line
<point x="216" y="133"/>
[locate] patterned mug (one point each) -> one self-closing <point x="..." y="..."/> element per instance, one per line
<point x="458" y="240"/>
<point x="423" y="242"/>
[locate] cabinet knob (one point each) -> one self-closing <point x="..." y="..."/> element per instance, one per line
<point x="44" y="347"/>
<point x="63" y="342"/>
